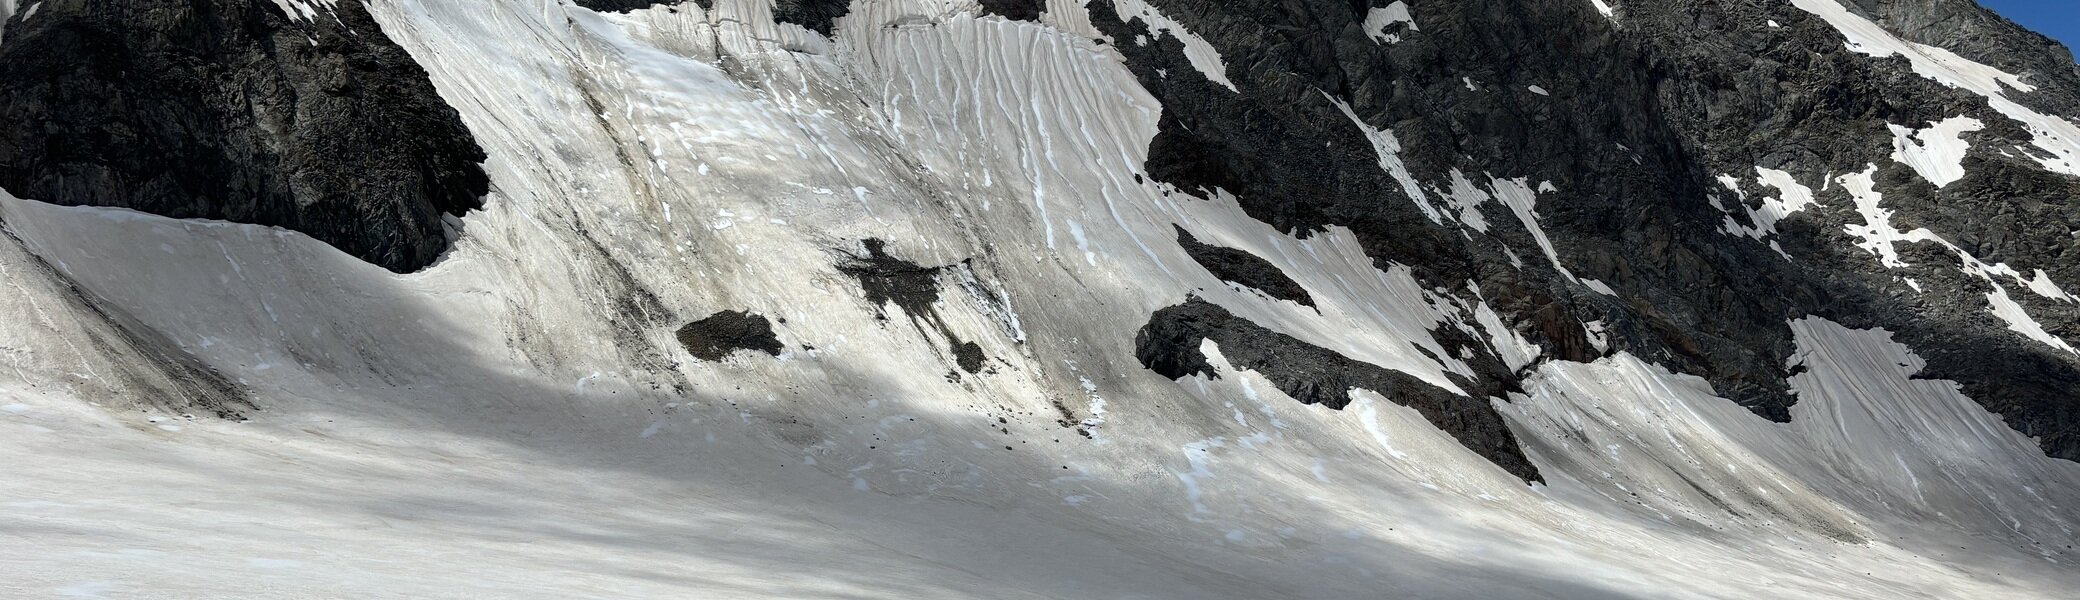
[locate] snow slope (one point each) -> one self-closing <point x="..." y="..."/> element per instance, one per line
<point x="517" y="421"/>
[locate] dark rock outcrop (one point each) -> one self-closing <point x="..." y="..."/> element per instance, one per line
<point x="1242" y="268"/>
<point x="1169" y="345"/>
<point x="233" y="110"/>
<point x="969" y="356"/>
<point x="888" y="280"/>
<point x="1981" y="35"/>
<point x="629" y="5"/>
<point x="722" y="334"/>
<point x="1016" y="10"/>
<point x="815" y="15"/>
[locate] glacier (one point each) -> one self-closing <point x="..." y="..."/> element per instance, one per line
<point x="517" y="420"/>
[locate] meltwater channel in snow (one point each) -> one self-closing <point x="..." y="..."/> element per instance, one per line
<point x="509" y="423"/>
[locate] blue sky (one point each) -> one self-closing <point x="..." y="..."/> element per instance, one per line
<point x="2059" y="19"/>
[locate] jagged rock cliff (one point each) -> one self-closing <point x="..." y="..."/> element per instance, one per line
<point x="239" y="111"/>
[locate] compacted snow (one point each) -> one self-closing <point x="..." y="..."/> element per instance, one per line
<point x="518" y="421"/>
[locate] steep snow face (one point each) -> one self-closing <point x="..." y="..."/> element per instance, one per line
<point x="1870" y="452"/>
<point x="523" y="403"/>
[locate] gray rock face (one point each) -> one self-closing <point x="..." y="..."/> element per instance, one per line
<point x="1169" y="345"/>
<point x="1978" y="34"/>
<point x="233" y="110"/>
<point x="1632" y="123"/>
<point x="1242" y="268"/>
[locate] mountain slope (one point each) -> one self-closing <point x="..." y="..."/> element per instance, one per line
<point x="1098" y="301"/>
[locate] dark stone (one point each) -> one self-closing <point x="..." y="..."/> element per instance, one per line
<point x="969" y="356"/>
<point x="727" y="332"/>
<point x="1243" y="268"/>
<point x="227" y="109"/>
<point x="1169" y="345"/>
<point x="889" y="280"/>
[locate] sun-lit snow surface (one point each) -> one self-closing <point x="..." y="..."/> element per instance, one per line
<point x="516" y="421"/>
<point x="1935" y="152"/>
<point x="1381" y="18"/>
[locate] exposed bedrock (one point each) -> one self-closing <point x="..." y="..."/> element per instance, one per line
<point x="1242" y="268"/>
<point x="1620" y="129"/>
<point x="234" y="110"/>
<point x="1170" y="345"/>
<point x="1016" y="10"/>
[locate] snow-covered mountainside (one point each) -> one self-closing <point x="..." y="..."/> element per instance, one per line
<point x="1017" y="299"/>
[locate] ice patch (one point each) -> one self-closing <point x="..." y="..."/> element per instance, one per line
<point x="1196" y="456"/>
<point x="1514" y="350"/>
<point x="1368" y="413"/>
<point x="1937" y="151"/>
<point x="1605" y="8"/>
<point x="1518" y="196"/>
<point x="2019" y="320"/>
<point x="89" y="589"/>
<point x="1599" y="338"/>
<point x="1380" y="18"/>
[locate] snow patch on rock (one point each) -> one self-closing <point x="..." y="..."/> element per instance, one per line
<point x="1935" y="152"/>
